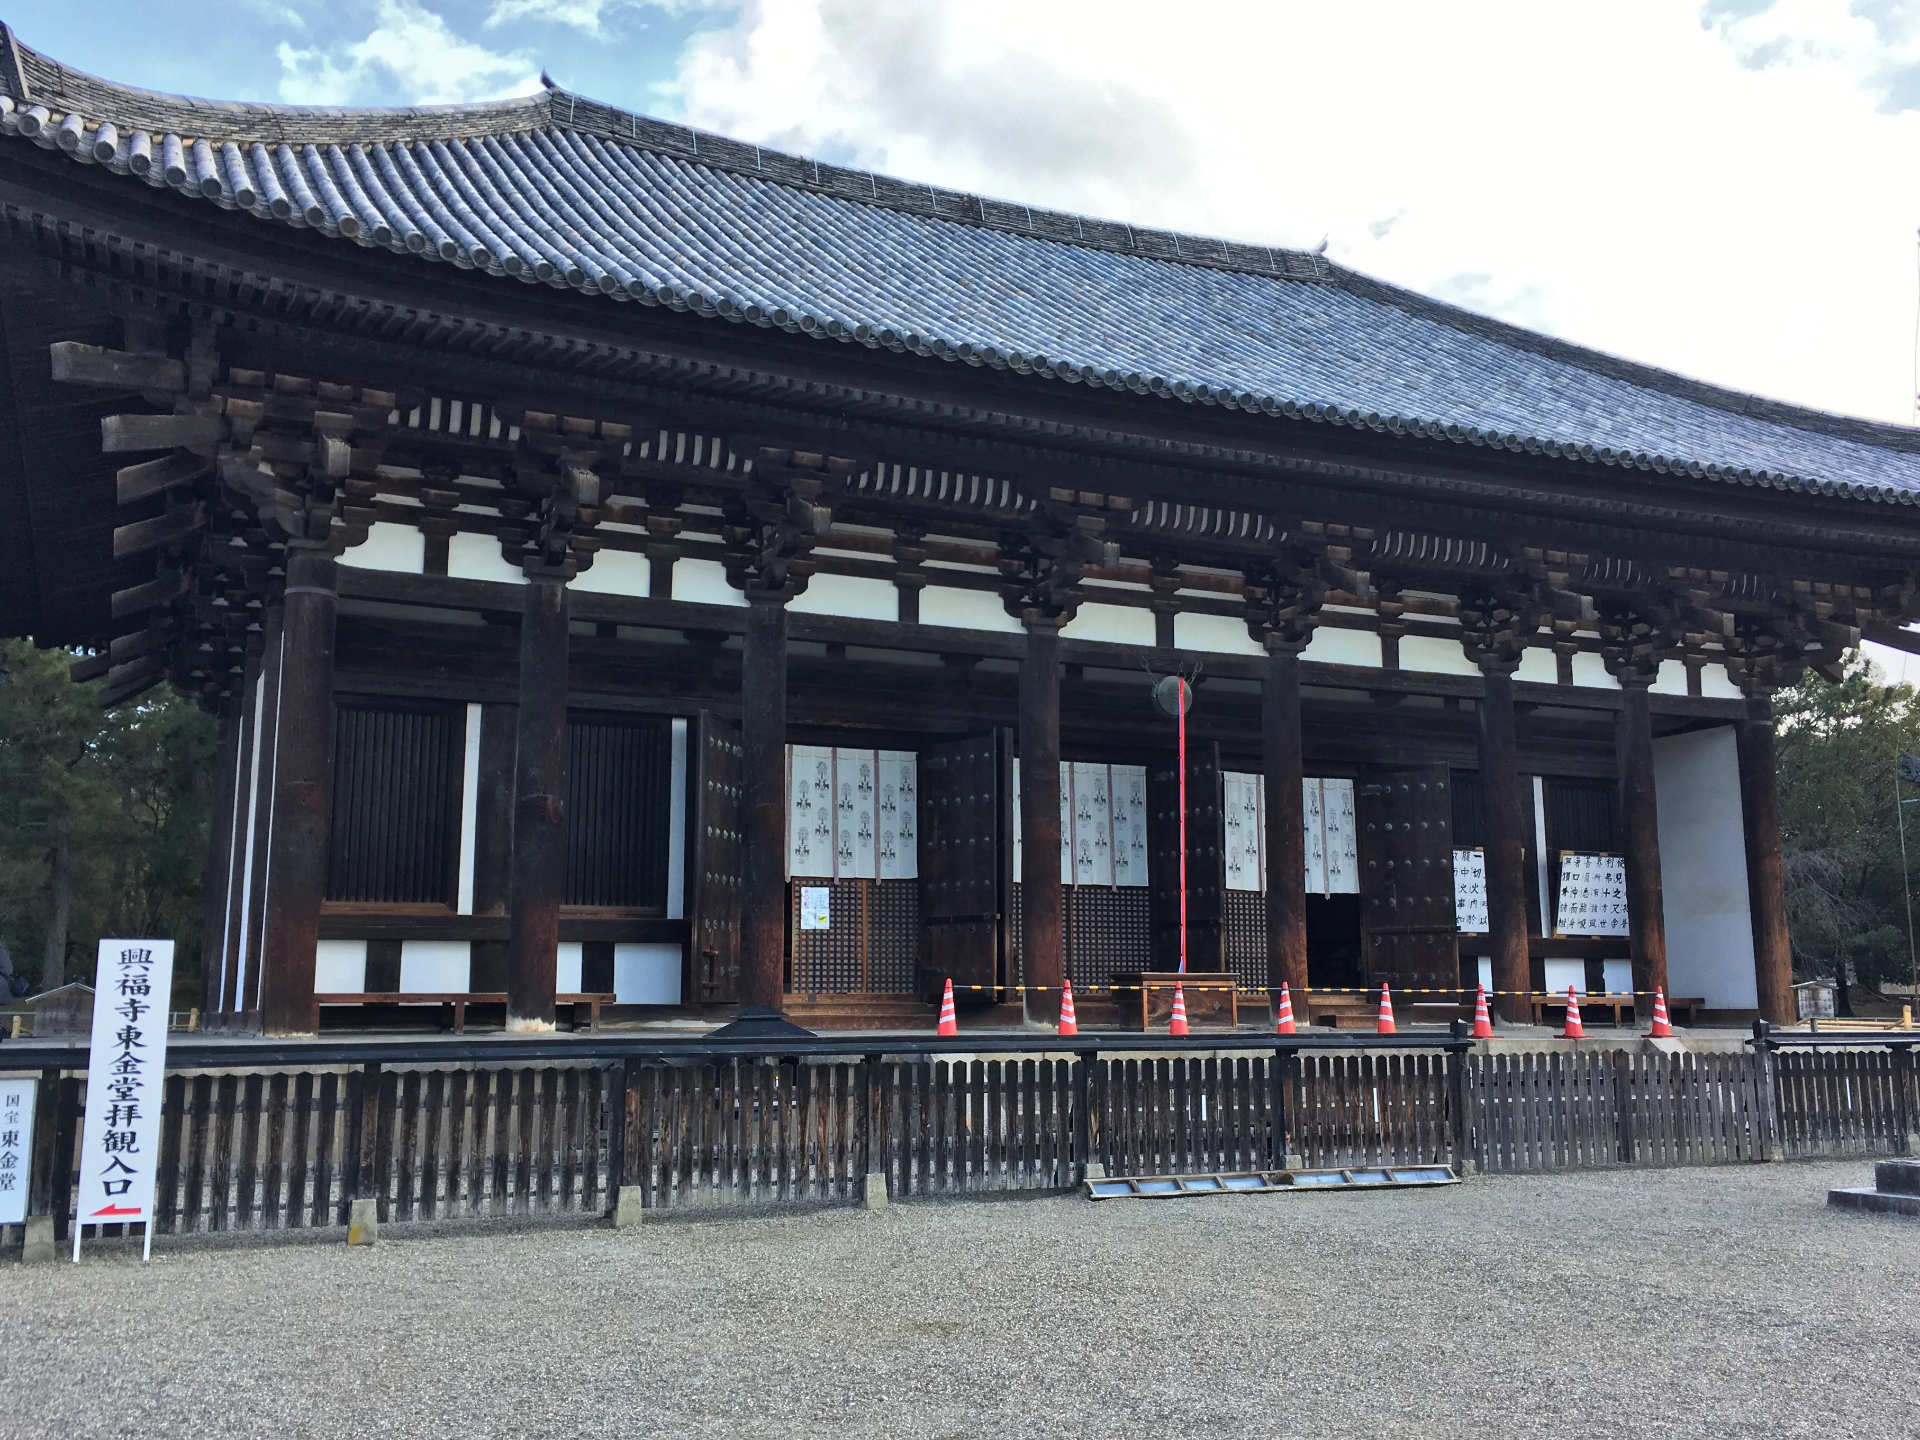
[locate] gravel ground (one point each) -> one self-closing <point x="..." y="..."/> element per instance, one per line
<point x="1673" y="1303"/>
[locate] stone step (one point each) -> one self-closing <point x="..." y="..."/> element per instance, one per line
<point x="1897" y="1177"/>
<point x="1879" y="1202"/>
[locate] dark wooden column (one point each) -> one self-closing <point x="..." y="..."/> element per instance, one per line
<point x="1042" y="960"/>
<point x="1766" y="868"/>
<point x="763" y="794"/>
<point x="1506" y="854"/>
<point x="1283" y="755"/>
<point x="298" y="874"/>
<point x="216" y="885"/>
<point x="493" y="838"/>
<point x="1640" y="814"/>
<point x="537" y="876"/>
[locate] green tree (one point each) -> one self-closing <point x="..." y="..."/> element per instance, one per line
<point x="1838" y="747"/>
<point x="103" y="817"/>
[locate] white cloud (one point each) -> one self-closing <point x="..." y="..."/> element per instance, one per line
<point x="1638" y="175"/>
<point x="588" y="16"/>
<point x="411" y="56"/>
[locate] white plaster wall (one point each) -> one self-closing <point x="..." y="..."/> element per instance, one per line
<point x="1219" y="634"/>
<point x="1114" y="624"/>
<point x="1672" y="679"/>
<point x="1435" y="655"/>
<point x="646" y="974"/>
<point x="1703" y="868"/>
<point x="427" y="966"/>
<point x="1589" y="669"/>
<point x="1335" y="645"/>
<point x="704" y="582"/>
<point x="615" y="572"/>
<point x="1537" y="666"/>
<point x="477" y="557"/>
<point x="966" y="610"/>
<point x="389" y="547"/>
<point x="1717" y="684"/>
<point x="1563" y="973"/>
<point x="340" y="968"/>
<point x="566" y="979"/>
<point x="859" y="597"/>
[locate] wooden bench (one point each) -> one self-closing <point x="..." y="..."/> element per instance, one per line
<point x="1618" y="1003"/>
<point x="1212" y="998"/>
<point x="459" y="1000"/>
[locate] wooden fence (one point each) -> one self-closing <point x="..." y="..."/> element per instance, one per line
<point x="291" y="1149"/>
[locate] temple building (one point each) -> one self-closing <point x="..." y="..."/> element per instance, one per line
<point x="628" y="562"/>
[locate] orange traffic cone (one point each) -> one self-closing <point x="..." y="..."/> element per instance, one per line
<point x="948" y="1025"/>
<point x="1482" y="1021"/>
<point x="1069" y="1024"/>
<point x="1662" y="1028"/>
<point x="1178" y="1025"/>
<point x="1283" y="1025"/>
<point x="1575" y="1030"/>
<point x="1385" y="1025"/>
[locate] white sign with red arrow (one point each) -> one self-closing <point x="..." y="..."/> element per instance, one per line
<point x="120" y="1144"/>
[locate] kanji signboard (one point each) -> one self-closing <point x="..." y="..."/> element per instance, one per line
<point x="120" y="1143"/>
<point x="16" y="1145"/>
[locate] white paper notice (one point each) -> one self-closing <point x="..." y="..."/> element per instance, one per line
<point x="16" y="1146"/>
<point x="1470" y="891"/>
<point x="1593" y="895"/>
<point x="813" y="907"/>
<point x="120" y="1142"/>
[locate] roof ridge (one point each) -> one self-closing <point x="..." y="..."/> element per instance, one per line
<point x="1884" y="433"/>
<point x="39" y="79"/>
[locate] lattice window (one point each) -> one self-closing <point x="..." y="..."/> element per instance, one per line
<point x="1246" y="938"/>
<point x="1108" y="929"/>
<point x="869" y="945"/>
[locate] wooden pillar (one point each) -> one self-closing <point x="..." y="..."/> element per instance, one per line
<point x="1640" y="813"/>
<point x="297" y="875"/>
<point x="763" y="801"/>
<point x="1041" y="950"/>
<point x="1766" y="869"/>
<point x="216" y="885"/>
<point x="493" y="839"/>
<point x="537" y="876"/>
<point x="1506" y="857"/>
<point x="1283" y="756"/>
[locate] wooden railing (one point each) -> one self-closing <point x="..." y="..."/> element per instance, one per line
<point x="253" y="1140"/>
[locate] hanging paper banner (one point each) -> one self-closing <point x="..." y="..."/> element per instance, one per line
<point x="1470" y="892"/>
<point x="810" y="811"/>
<point x="899" y="811"/>
<point x="17" y="1096"/>
<point x="1593" y="895"/>
<point x="120" y="1140"/>
<point x="1129" y="791"/>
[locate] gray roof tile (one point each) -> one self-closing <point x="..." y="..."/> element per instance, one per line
<point x="569" y="192"/>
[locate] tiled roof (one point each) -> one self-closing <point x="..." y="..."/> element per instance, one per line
<point x="563" y="191"/>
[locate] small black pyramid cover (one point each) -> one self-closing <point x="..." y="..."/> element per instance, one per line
<point x="761" y="1022"/>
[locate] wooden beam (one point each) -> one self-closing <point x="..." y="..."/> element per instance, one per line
<point x="77" y="364"/>
<point x="151" y="477"/>
<point x="143" y="535"/>
<point x="136" y="599"/>
<point x="90" y="667"/>
<point x="159" y="432"/>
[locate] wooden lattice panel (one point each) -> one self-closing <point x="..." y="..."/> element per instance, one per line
<point x="1246" y="926"/>
<point x="1109" y="929"/>
<point x="870" y="942"/>
<point x="893" y="936"/>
